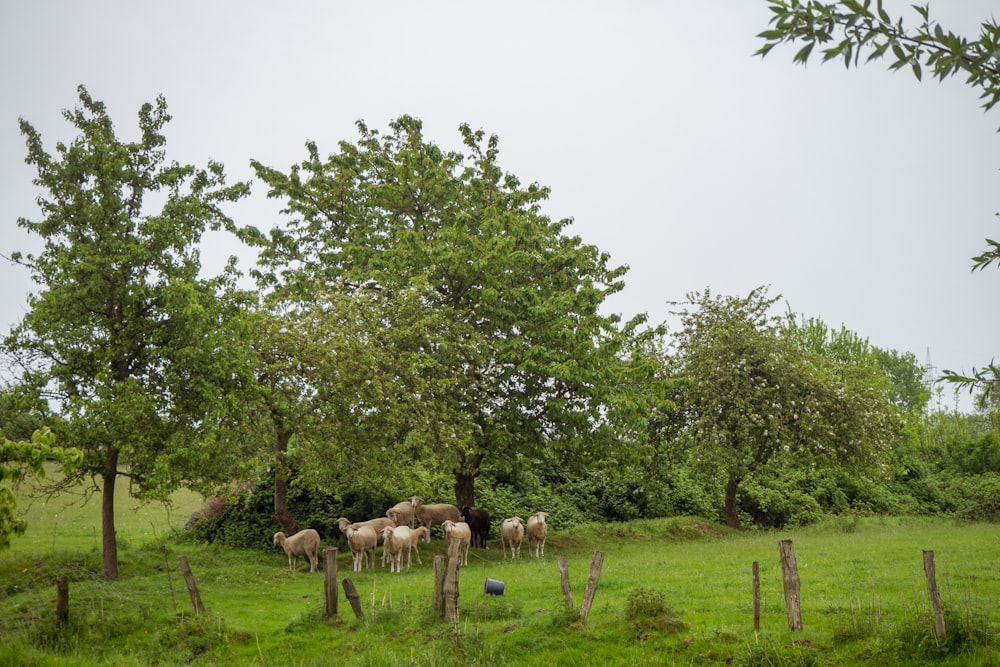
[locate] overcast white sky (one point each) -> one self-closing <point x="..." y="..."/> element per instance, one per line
<point x="859" y="196"/>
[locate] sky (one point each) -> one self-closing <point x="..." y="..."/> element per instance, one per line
<point x="859" y="196"/>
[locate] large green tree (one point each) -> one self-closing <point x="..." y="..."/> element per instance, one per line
<point x="462" y="324"/>
<point x="849" y="29"/>
<point x="137" y="351"/>
<point x="765" y="391"/>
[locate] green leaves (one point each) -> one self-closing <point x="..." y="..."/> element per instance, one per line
<point x="928" y="45"/>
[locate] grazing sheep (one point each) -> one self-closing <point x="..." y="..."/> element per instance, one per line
<point x="537" y="530"/>
<point x="512" y="534"/>
<point x="362" y="541"/>
<point x="479" y="524"/>
<point x="460" y="530"/>
<point x="401" y="513"/>
<point x="303" y="543"/>
<point x="434" y="515"/>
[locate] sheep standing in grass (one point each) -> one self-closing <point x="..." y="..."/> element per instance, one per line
<point x="479" y="523"/>
<point x="303" y="543"/>
<point x="434" y="515"/>
<point x="362" y="541"/>
<point x="512" y="534"/>
<point x="393" y="545"/>
<point x="461" y="530"/>
<point x="377" y="524"/>
<point x="401" y="513"/>
<point x="537" y="531"/>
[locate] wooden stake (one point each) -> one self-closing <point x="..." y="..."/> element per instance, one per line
<point x="439" y="572"/>
<point x="595" y="575"/>
<point x="564" y="581"/>
<point x="791" y="581"/>
<point x="756" y="596"/>
<point x="451" y="579"/>
<point x="62" y="599"/>
<point x="935" y="594"/>
<point x="199" y="608"/>
<point x="330" y="580"/>
<point x="352" y="596"/>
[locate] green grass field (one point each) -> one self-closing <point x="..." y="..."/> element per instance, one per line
<point x="671" y="592"/>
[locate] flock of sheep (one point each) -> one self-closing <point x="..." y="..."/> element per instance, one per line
<point x="397" y="534"/>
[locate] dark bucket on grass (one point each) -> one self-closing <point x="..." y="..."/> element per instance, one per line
<point x="493" y="587"/>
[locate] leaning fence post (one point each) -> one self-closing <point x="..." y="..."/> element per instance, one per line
<point x="588" y="594"/>
<point x="935" y="593"/>
<point x="330" y="580"/>
<point x="439" y="573"/>
<point x="352" y="596"/>
<point x="199" y="608"/>
<point x="791" y="581"/>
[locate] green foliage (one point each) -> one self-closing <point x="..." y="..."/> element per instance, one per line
<point x="137" y="348"/>
<point x="460" y="324"/>
<point x="18" y="459"/>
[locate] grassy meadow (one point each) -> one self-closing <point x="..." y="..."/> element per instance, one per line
<point x="671" y="592"/>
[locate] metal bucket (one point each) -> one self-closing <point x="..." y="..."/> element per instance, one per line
<point x="493" y="587"/>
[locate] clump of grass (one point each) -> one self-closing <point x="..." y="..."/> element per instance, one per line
<point x="769" y="654"/>
<point x="646" y="610"/>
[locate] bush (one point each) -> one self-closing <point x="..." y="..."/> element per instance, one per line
<point x="646" y="610"/>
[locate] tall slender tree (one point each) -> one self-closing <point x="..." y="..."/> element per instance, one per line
<point x="137" y="351"/>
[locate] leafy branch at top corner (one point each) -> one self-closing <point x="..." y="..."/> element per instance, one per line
<point x="850" y="27"/>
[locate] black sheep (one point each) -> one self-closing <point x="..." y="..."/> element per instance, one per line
<point x="479" y="525"/>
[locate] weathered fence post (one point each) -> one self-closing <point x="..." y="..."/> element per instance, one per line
<point x="352" y="596"/>
<point x="564" y="581"/>
<point x="595" y="574"/>
<point x="756" y="595"/>
<point x="439" y="572"/>
<point x="935" y="593"/>
<point x="330" y="580"/>
<point x="199" y="608"/>
<point x="451" y="579"/>
<point x="62" y="599"/>
<point x="791" y="581"/>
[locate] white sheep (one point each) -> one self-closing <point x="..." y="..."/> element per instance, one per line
<point x="410" y="539"/>
<point x="378" y="524"/>
<point x="512" y="534"/>
<point x="434" y="515"/>
<point x="393" y="546"/>
<point x="362" y="541"/>
<point x="401" y="513"/>
<point x="461" y="530"/>
<point x="303" y="543"/>
<point x="537" y="531"/>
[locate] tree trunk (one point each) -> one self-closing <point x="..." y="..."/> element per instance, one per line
<point x="465" y="489"/>
<point x="465" y="479"/>
<point x="281" y="473"/>
<point x="109" y="538"/>
<point x="732" y="516"/>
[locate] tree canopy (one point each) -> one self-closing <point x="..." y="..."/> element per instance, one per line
<point x="135" y="348"/>
<point x="462" y="324"/>
<point x="765" y="391"/>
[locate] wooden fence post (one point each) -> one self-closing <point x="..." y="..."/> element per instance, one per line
<point x="755" y="569"/>
<point x="330" y="580"/>
<point x="451" y="579"/>
<point x="352" y="596"/>
<point x="439" y="572"/>
<point x="564" y="581"/>
<point x="199" y="608"/>
<point x="588" y="594"/>
<point x="791" y="581"/>
<point x="935" y="594"/>
<point x="62" y="599"/>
